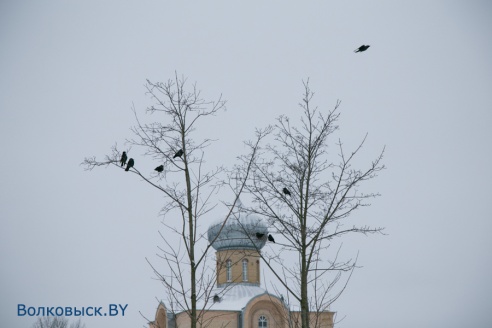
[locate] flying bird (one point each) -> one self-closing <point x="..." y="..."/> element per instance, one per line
<point x="130" y="164"/>
<point x="159" y="169"/>
<point x="259" y="235"/>
<point x="179" y="153"/>
<point x="362" y="48"/>
<point x="123" y="159"/>
<point x="270" y="238"/>
<point x="286" y="191"/>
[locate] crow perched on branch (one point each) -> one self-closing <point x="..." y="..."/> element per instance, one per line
<point x="159" y="169"/>
<point x="179" y="153"/>
<point x="362" y="48"/>
<point x="259" y="235"/>
<point x="123" y="159"/>
<point x="130" y="164"/>
<point x="270" y="238"/>
<point x="286" y="191"/>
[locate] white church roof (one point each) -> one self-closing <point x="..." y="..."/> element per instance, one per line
<point x="232" y="298"/>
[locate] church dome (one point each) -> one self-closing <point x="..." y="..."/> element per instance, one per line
<point x="241" y="231"/>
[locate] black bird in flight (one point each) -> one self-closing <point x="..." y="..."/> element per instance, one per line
<point x="270" y="238"/>
<point x="286" y="191"/>
<point x="130" y="164"/>
<point x="362" y="48"/>
<point x="160" y="168"/>
<point x="259" y="235"/>
<point x="179" y="153"/>
<point x="123" y="159"/>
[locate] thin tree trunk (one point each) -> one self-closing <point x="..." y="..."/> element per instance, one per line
<point x="304" y="291"/>
<point x="191" y="227"/>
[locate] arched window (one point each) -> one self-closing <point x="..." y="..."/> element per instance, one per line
<point x="229" y="270"/>
<point x="262" y="322"/>
<point x="245" y="270"/>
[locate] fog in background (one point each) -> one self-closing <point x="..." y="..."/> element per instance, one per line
<point x="70" y="73"/>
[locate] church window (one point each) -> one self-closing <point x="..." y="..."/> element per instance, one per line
<point x="245" y="270"/>
<point x="258" y="271"/>
<point x="229" y="270"/>
<point x="262" y="322"/>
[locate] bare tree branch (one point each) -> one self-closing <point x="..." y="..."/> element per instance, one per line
<point x="321" y="194"/>
<point x="187" y="186"/>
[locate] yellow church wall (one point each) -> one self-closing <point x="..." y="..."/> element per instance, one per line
<point x="270" y="307"/>
<point x="237" y="257"/>
<point x="160" y="318"/>
<point x="316" y="320"/>
<point x="210" y="319"/>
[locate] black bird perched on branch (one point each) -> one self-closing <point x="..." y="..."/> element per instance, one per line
<point x="259" y="235"/>
<point x="179" y="153"/>
<point x="362" y="48"/>
<point x="270" y="238"/>
<point x="130" y="164"/>
<point x="123" y="159"/>
<point x="160" y="168"/>
<point x="286" y="191"/>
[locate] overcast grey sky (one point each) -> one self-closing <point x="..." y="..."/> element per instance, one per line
<point x="70" y="71"/>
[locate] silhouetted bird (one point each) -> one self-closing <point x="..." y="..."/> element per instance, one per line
<point x="270" y="238"/>
<point x="259" y="235"/>
<point x="286" y="191"/>
<point x="179" y="153"/>
<point x="362" y="48"/>
<point x="160" y="168"/>
<point x="123" y="159"/>
<point x="130" y="164"/>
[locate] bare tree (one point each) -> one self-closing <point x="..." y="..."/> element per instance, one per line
<point x="307" y="197"/>
<point x="56" y="322"/>
<point x="187" y="186"/>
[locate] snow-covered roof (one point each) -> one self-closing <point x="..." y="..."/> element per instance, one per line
<point x="232" y="298"/>
<point x="239" y="232"/>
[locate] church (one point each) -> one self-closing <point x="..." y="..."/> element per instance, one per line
<point x="238" y="301"/>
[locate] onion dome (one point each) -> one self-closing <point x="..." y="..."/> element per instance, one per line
<point x="241" y="231"/>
